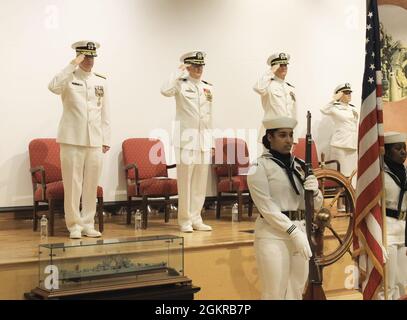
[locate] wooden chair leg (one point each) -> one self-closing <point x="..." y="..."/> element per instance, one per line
<point x="51" y="211"/>
<point x="100" y="214"/>
<point x="239" y="205"/>
<point x="250" y="206"/>
<point x="218" y="205"/>
<point x="128" y="220"/>
<point x="167" y="209"/>
<point x="145" y="213"/>
<point x="35" y="218"/>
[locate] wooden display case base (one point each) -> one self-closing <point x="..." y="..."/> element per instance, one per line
<point x="180" y="288"/>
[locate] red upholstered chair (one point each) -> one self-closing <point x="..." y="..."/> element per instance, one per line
<point x="231" y="165"/>
<point x="299" y="152"/>
<point x="147" y="174"/>
<point x="45" y="168"/>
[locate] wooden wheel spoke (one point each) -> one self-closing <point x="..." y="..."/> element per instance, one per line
<point x="337" y="195"/>
<point x="336" y="235"/>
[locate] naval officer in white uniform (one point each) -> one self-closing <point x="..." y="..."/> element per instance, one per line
<point x="277" y="187"/>
<point x="344" y="140"/>
<point x="395" y="182"/>
<point x="83" y="135"/>
<point x="192" y="137"/>
<point x="277" y="95"/>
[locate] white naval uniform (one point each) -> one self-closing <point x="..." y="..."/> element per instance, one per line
<point x="193" y="142"/>
<point x="344" y="140"/>
<point x="277" y="98"/>
<point x="282" y="271"/>
<point x="396" y="265"/>
<point x="83" y="129"/>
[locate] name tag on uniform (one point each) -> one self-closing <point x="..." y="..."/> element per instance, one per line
<point x="77" y="84"/>
<point x="190" y="91"/>
<point x="99" y="92"/>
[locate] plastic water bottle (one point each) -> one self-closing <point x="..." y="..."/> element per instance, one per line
<point x="235" y="213"/>
<point x="44" y="227"/>
<point x="137" y="220"/>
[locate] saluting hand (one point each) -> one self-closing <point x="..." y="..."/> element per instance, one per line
<point x="184" y="66"/>
<point x="78" y="60"/>
<point x="105" y="149"/>
<point x="338" y="96"/>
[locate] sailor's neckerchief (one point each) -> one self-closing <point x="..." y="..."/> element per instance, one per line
<point x="286" y="162"/>
<point x="398" y="173"/>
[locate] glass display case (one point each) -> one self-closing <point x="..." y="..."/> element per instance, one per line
<point x="119" y="263"/>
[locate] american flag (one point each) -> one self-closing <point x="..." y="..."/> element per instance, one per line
<point x="368" y="235"/>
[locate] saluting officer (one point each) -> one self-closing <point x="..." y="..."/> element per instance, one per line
<point x="344" y="140"/>
<point x="83" y="134"/>
<point x="396" y="206"/>
<point x="277" y="95"/>
<point x="277" y="187"/>
<point x="192" y="138"/>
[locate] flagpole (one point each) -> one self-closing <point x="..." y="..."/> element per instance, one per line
<point x="384" y="229"/>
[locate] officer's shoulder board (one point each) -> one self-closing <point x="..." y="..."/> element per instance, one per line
<point x="182" y="79"/>
<point x="352" y="105"/>
<point x="336" y="103"/>
<point x="290" y="84"/>
<point x="209" y="84"/>
<point x="99" y="75"/>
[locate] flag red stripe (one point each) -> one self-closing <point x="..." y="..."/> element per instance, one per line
<point x="370" y="192"/>
<point x="368" y="158"/>
<point x="373" y="283"/>
<point x="368" y="123"/>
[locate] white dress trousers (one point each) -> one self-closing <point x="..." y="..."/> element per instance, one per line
<point x="81" y="169"/>
<point x="192" y="176"/>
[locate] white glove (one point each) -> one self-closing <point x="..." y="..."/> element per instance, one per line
<point x="78" y="60"/>
<point x="338" y="96"/>
<point x="184" y="66"/>
<point x="301" y="243"/>
<point x="311" y="183"/>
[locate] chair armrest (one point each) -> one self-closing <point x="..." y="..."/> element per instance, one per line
<point x="229" y="167"/>
<point x="35" y="169"/>
<point x="43" y="185"/>
<point x="129" y="167"/>
<point x="338" y="165"/>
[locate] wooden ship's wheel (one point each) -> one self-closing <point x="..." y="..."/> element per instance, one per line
<point x="335" y="218"/>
